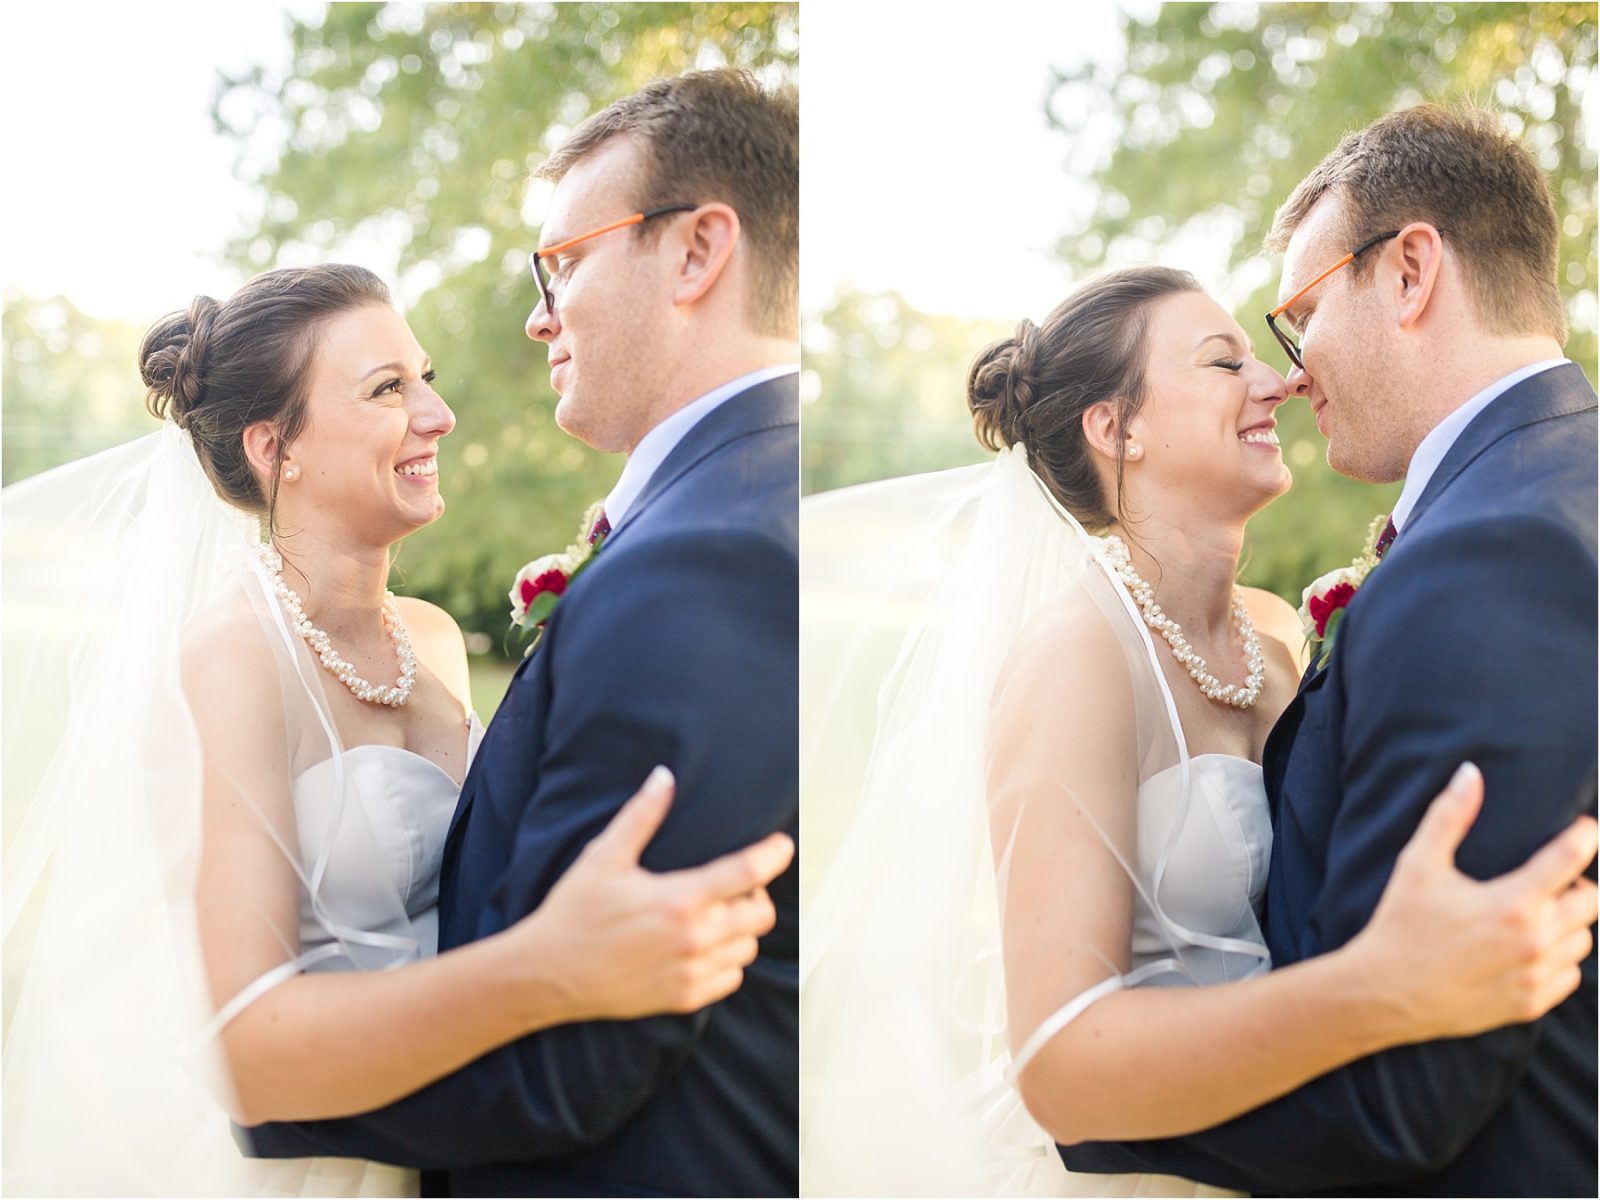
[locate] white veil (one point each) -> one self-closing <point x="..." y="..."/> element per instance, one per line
<point x="913" y="593"/>
<point x="113" y="1080"/>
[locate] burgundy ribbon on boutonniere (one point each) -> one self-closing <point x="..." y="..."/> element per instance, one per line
<point x="541" y="583"/>
<point x="1323" y="602"/>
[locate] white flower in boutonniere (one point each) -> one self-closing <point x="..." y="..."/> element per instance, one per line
<point x="1322" y="604"/>
<point x="540" y="584"/>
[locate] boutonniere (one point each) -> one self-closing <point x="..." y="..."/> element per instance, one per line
<point x="1322" y="604"/>
<point x="540" y="584"/>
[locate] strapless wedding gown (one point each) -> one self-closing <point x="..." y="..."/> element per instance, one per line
<point x="407" y="801"/>
<point x="1214" y="875"/>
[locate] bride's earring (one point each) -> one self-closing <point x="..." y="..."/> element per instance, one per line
<point x="1135" y="450"/>
<point x="290" y="474"/>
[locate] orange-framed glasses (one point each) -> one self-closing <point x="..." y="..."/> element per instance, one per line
<point x="1291" y="347"/>
<point x="536" y="260"/>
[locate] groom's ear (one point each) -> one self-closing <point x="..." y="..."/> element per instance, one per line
<point x="705" y="246"/>
<point x="1419" y="253"/>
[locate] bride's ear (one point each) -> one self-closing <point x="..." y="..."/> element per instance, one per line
<point x="261" y="449"/>
<point x="1102" y="429"/>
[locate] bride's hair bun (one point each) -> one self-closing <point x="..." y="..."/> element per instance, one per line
<point x="1035" y="386"/>
<point x="1000" y="387"/>
<point x="218" y="368"/>
<point x="172" y="360"/>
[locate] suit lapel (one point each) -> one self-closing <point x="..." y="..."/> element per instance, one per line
<point x="768" y="405"/>
<point x="1280" y="742"/>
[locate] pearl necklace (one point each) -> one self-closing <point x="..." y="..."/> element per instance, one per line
<point x="395" y="696"/>
<point x="1210" y="686"/>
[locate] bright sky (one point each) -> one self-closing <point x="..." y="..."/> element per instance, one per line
<point x="118" y="193"/>
<point x="927" y="166"/>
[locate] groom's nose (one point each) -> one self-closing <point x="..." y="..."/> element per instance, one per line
<point x="1298" y="381"/>
<point x="542" y="324"/>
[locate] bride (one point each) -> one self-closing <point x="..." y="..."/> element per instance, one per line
<point x="239" y="765"/>
<point x="1060" y="832"/>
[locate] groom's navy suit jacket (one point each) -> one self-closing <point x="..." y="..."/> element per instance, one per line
<point x="678" y="645"/>
<point x="1473" y="639"/>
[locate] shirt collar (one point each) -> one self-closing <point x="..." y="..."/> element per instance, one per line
<point x="1431" y="450"/>
<point x="654" y="446"/>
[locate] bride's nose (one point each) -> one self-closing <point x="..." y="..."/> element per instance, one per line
<point x="1268" y="387"/>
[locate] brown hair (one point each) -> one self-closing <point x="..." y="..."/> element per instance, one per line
<point x="1035" y="387"/>
<point x="716" y="135"/>
<point x="1459" y="170"/>
<point x="219" y="367"/>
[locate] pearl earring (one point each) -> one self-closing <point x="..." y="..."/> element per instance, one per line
<point x="290" y="474"/>
<point x="1135" y="450"/>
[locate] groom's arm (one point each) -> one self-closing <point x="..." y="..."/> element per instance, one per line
<point x="1482" y="649"/>
<point x="671" y="658"/>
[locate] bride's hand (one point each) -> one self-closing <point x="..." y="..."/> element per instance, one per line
<point x="630" y="942"/>
<point x="1450" y="956"/>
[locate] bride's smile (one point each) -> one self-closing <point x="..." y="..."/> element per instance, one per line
<point x="1207" y="431"/>
<point x="367" y="456"/>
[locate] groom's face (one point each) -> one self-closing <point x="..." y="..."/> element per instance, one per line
<point x="611" y="292"/>
<point x="1349" y="376"/>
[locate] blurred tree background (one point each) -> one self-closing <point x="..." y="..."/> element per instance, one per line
<point x="403" y="137"/>
<point x="1216" y="112"/>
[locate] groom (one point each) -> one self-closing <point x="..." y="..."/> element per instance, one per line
<point x="1434" y="355"/>
<point x="672" y="338"/>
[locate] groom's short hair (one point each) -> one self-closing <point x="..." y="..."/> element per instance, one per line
<point x="1462" y="172"/>
<point x="716" y="135"/>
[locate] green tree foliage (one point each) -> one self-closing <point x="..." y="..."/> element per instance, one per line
<point x="70" y="385"/>
<point x="410" y="132"/>
<point x="884" y="391"/>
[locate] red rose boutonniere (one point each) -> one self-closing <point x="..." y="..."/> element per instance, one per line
<point x="1322" y="604"/>
<point x="540" y="584"/>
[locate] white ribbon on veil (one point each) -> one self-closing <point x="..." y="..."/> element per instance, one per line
<point x="113" y="1080"/>
<point x="913" y="592"/>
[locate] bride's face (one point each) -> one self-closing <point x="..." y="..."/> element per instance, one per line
<point x="367" y="456"/>
<point x="1207" y="430"/>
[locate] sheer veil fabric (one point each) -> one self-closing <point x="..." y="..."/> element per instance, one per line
<point x="113" y="1079"/>
<point x="915" y="592"/>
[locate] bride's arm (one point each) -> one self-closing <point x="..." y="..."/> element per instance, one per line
<point x="1449" y="957"/>
<point x="610" y="941"/>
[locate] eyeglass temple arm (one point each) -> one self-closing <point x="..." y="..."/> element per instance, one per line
<point x="626" y="221"/>
<point x="1361" y="249"/>
<point x="583" y="237"/>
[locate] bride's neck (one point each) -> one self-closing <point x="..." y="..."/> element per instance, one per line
<point x="1191" y="566"/>
<point x="341" y="586"/>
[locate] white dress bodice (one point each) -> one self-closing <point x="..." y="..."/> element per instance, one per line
<point x="376" y="860"/>
<point x="1208" y="875"/>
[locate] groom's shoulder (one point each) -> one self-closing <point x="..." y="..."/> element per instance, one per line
<point x="1539" y="481"/>
<point x="747" y="487"/>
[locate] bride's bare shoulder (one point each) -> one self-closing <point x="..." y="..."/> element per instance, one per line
<point x="438" y="642"/>
<point x="225" y="647"/>
<point x="1068" y="639"/>
<point x="1068" y="660"/>
<point x="1276" y="619"/>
